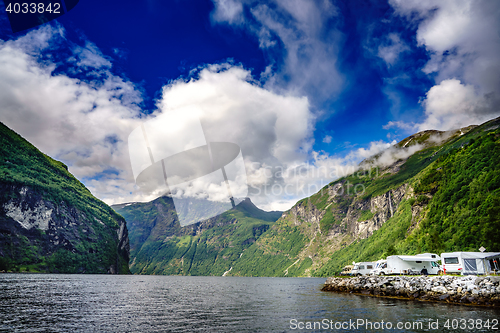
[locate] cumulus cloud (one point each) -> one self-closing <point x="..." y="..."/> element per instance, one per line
<point x="274" y="132"/>
<point x="85" y="124"/>
<point x="298" y="34"/>
<point x="462" y="39"/>
<point x="451" y="105"/>
<point x="265" y="125"/>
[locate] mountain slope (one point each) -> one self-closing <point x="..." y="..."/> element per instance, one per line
<point x="159" y="245"/>
<point x="435" y="191"/>
<point x="49" y="221"/>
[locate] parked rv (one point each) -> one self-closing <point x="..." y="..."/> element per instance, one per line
<point x="466" y="263"/>
<point x="347" y="270"/>
<point x="425" y="263"/>
<point x="362" y="268"/>
<point x="379" y="265"/>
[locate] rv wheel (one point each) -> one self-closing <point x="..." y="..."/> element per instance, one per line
<point x="382" y="273"/>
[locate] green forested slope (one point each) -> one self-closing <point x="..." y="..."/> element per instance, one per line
<point x="456" y="198"/>
<point x="450" y="201"/>
<point x="159" y="245"/>
<point x="49" y="221"/>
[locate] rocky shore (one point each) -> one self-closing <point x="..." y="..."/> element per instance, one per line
<point x="467" y="290"/>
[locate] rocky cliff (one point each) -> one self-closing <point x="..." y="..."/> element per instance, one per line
<point x="49" y="222"/>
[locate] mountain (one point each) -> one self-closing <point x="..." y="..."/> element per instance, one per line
<point x="49" y="221"/>
<point x="432" y="192"/>
<point x="159" y="245"/>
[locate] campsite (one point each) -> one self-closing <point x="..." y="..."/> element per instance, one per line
<point x="458" y="263"/>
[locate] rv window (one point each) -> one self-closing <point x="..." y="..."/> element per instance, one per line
<point x="434" y="264"/>
<point x="453" y="260"/>
<point x="418" y="262"/>
<point x="361" y="267"/>
<point x="369" y="267"/>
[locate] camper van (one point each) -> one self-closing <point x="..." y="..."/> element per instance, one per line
<point x="467" y="263"/>
<point x="379" y="265"/>
<point x="425" y="263"/>
<point x="362" y="268"/>
<point x="347" y="270"/>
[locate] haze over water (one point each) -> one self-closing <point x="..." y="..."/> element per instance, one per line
<point x="135" y="303"/>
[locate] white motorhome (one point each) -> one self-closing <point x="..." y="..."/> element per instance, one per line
<point x="466" y="263"/>
<point x="425" y="263"/>
<point x="379" y="265"/>
<point x="362" y="268"/>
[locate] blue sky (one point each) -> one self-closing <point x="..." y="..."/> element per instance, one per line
<point x="335" y="81"/>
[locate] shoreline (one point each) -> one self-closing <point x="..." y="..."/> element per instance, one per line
<point x="459" y="290"/>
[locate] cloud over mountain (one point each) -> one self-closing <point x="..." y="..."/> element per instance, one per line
<point x="462" y="40"/>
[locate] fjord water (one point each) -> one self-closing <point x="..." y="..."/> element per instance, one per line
<point x="139" y="303"/>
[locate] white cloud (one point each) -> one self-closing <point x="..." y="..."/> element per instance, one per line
<point x="265" y="125"/>
<point x="308" y="62"/>
<point x="393" y="153"/>
<point x="85" y="124"/>
<point x="91" y="56"/>
<point x="399" y="124"/>
<point x="327" y="139"/>
<point x="391" y="49"/>
<point x="462" y="39"/>
<point x="375" y="148"/>
<point x="229" y="11"/>
<point x="451" y="105"/>
<point x="274" y="132"/>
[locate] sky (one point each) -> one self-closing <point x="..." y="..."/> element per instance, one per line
<point x="307" y="89"/>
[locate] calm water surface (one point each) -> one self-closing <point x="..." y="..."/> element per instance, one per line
<point x="135" y="303"/>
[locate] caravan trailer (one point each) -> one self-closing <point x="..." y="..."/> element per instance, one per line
<point x="362" y="268"/>
<point x="425" y="263"/>
<point x="467" y="263"/>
